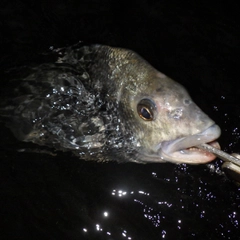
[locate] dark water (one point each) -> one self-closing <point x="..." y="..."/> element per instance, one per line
<point x="62" y="197"/>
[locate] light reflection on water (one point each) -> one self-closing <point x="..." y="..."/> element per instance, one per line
<point x="153" y="215"/>
<point x="156" y="207"/>
<point x="98" y="228"/>
<point x="139" y="197"/>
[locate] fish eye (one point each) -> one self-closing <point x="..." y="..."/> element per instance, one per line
<point x="146" y="109"/>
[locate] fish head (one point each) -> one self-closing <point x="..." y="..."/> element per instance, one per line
<point x="162" y="118"/>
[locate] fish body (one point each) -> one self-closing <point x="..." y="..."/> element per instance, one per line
<point x="104" y="103"/>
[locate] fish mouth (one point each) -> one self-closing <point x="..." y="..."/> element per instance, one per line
<point x="184" y="150"/>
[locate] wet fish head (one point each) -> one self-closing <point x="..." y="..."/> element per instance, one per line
<point x="162" y="118"/>
<point x="104" y="103"/>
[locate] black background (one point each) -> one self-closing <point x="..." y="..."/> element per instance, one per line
<point x="47" y="197"/>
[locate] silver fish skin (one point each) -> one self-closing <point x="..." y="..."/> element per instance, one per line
<point x="104" y="103"/>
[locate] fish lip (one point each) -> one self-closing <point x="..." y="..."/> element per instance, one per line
<point x="183" y="150"/>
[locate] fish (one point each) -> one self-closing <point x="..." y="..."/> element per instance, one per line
<point x="105" y="104"/>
